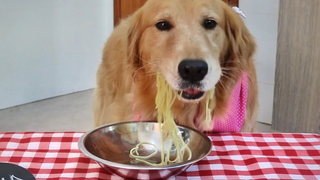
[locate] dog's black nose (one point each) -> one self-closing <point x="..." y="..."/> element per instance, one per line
<point x="193" y="70"/>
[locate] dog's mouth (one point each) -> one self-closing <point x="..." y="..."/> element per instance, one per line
<point x="191" y="94"/>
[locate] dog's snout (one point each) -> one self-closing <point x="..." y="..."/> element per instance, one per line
<point x="193" y="70"/>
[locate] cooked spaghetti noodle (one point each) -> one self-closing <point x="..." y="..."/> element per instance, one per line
<point x="169" y="130"/>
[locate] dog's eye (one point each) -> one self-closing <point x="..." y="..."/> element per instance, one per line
<point x="164" y="26"/>
<point x="209" y="24"/>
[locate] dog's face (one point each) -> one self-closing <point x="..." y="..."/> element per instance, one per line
<point x="184" y="40"/>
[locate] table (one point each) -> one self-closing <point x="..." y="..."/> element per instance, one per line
<point x="55" y="155"/>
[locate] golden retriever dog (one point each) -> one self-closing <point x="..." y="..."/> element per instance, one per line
<point x="196" y="45"/>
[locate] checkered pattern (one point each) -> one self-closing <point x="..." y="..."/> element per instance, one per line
<point x="234" y="156"/>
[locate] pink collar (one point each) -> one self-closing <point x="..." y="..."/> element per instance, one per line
<point x="235" y="115"/>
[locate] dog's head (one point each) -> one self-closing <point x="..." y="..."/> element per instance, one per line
<point x="192" y="43"/>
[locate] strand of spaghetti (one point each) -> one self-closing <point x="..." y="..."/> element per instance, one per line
<point x="209" y="98"/>
<point x="169" y="130"/>
<point x="168" y="123"/>
<point x="164" y="115"/>
<point x="134" y="151"/>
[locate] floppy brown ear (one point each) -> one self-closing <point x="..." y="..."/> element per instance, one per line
<point x="114" y="82"/>
<point x="240" y="48"/>
<point x="134" y="32"/>
<point x="241" y="45"/>
<point x="236" y="57"/>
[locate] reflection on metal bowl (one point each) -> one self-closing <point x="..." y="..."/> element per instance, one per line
<point x="110" y="147"/>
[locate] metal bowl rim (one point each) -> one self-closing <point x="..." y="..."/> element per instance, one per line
<point x="82" y="148"/>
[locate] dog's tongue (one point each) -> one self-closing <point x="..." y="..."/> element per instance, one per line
<point x="192" y="91"/>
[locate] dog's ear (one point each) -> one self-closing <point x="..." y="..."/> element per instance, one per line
<point x="240" y="45"/>
<point x="134" y="32"/>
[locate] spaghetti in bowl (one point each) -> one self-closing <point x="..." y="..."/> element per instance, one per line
<point x="111" y="147"/>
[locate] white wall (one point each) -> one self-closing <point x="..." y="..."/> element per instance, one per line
<point x="262" y="21"/>
<point x="50" y="48"/>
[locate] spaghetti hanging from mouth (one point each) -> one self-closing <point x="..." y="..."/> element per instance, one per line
<point x="165" y="98"/>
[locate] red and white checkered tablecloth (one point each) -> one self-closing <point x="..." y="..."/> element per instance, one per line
<point x="234" y="156"/>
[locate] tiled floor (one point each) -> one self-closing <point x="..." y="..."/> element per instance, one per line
<point x="65" y="113"/>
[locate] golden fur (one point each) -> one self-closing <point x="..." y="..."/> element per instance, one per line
<point x="136" y="51"/>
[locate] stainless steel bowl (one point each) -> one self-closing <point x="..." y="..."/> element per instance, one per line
<point x="110" y="147"/>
